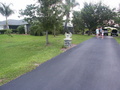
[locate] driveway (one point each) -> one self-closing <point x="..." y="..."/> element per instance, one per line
<point x="92" y="65"/>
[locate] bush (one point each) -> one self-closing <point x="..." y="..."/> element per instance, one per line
<point x="8" y="32"/>
<point x="36" y="30"/>
<point x="21" y="30"/>
<point x="4" y="31"/>
<point x="14" y="31"/>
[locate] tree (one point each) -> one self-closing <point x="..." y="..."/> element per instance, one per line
<point x="30" y="13"/>
<point x="104" y="13"/>
<point x="48" y="15"/>
<point x="6" y="11"/>
<point x="95" y="14"/>
<point x="68" y="6"/>
<point x="36" y="29"/>
<point x="57" y="18"/>
<point x="117" y="17"/>
<point x="30" y="16"/>
<point x="78" y="22"/>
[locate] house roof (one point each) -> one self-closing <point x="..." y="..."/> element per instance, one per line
<point x="13" y="22"/>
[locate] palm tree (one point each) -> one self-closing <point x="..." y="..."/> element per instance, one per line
<point x="6" y="11"/>
<point x="68" y="6"/>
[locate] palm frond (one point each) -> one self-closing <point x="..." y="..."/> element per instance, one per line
<point x="5" y="10"/>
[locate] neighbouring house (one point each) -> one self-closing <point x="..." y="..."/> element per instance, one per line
<point x="14" y="24"/>
<point x="111" y="23"/>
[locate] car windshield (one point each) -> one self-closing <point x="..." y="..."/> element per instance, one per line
<point x="105" y="29"/>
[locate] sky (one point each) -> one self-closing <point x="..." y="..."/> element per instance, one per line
<point x="21" y="4"/>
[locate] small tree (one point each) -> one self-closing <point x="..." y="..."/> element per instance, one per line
<point x="48" y="15"/>
<point x="8" y="32"/>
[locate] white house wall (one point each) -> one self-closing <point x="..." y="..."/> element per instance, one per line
<point x="1" y="27"/>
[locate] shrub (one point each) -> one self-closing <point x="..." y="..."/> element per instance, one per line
<point x="8" y="32"/>
<point x="21" y="30"/>
<point x="14" y="31"/>
<point x="36" y="30"/>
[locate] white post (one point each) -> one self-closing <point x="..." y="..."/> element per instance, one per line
<point x="25" y="27"/>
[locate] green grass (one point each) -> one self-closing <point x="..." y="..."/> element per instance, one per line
<point x="118" y="39"/>
<point x="22" y="53"/>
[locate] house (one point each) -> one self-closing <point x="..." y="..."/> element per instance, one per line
<point x="69" y="27"/>
<point x="14" y="24"/>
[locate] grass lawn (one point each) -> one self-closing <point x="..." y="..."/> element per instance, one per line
<point x="118" y="39"/>
<point x="22" y="53"/>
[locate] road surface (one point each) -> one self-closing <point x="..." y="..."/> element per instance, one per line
<point x="92" y="65"/>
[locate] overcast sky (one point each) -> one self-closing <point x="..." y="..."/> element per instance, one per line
<point x="21" y="4"/>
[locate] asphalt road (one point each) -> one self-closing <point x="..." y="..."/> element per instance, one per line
<point x="92" y="65"/>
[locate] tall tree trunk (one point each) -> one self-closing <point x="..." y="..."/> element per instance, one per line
<point x="65" y="27"/>
<point x="47" y="42"/>
<point x="7" y="23"/>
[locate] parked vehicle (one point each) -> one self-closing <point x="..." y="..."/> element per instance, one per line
<point x="105" y="32"/>
<point x="114" y="32"/>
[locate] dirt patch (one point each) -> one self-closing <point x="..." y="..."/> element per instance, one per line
<point x="65" y="49"/>
<point x="36" y="64"/>
<point x="1" y="81"/>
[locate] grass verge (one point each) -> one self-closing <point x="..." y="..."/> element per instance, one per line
<point x="117" y="39"/>
<point x="22" y="53"/>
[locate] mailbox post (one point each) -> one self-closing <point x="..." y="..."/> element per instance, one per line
<point x="68" y="39"/>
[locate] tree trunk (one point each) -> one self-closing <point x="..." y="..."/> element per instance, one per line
<point x="7" y="23"/>
<point x="89" y="32"/>
<point x="54" y="31"/>
<point x="47" y="42"/>
<point x="83" y="32"/>
<point x="65" y="27"/>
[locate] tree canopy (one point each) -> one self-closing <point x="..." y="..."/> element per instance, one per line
<point x="30" y="13"/>
<point x="6" y="11"/>
<point x="95" y="14"/>
<point x="78" y="22"/>
<point x="48" y="13"/>
<point x="117" y="17"/>
<point x="68" y="6"/>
